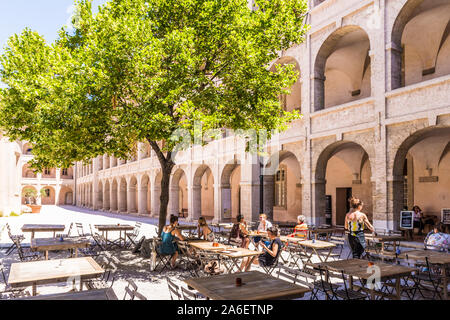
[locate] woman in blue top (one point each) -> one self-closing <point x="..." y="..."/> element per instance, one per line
<point x="168" y="245"/>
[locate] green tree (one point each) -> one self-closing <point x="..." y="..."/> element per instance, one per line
<point x="139" y="70"/>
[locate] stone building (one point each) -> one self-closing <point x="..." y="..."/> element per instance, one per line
<point x="57" y="185"/>
<point x="374" y="90"/>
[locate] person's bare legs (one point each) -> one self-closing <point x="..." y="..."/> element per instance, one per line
<point x="174" y="259"/>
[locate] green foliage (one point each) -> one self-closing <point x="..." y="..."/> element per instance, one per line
<point x="139" y="70"/>
<point x="13" y="214"/>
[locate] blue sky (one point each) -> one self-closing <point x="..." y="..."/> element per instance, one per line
<point x="44" y="16"/>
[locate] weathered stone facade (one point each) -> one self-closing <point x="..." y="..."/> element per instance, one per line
<point x="368" y="97"/>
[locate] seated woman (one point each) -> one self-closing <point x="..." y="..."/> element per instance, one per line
<point x="437" y="239"/>
<point x="204" y="231"/>
<point x="271" y="252"/>
<point x="301" y="229"/>
<point x="239" y="232"/>
<point x="263" y="225"/>
<point x="168" y="245"/>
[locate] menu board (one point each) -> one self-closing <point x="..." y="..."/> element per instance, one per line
<point x="406" y="219"/>
<point x="445" y="214"/>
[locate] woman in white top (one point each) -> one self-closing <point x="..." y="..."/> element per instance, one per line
<point x="264" y="224"/>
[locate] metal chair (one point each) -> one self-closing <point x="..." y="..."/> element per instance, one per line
<point x="347" y="293"/>
<point x="429" y="279"/>
<point x="162" y="259"/>
<point x="337" y="251"/>
<point x="106" y="280"/>
<point x="25" y="254"/>
<point x="8" y="290"/>
<point x="189" y="295"/>
<point x="13" y="237"/>
<point x="190" y="261"/>
<point x="174" y="290"/>
<point x="133" y="236"/>
<point x="65" y="235"/>
<point x="130" y="289"/>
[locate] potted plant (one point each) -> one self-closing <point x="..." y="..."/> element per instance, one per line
<point x="31" y="196"/>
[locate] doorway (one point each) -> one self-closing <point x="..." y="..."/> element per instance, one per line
<point x="342" y="204"/>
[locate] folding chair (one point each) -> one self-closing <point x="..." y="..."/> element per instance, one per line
<point x="65" y="235"/>
<point x="298" y="277"/>
<point x="274" y="265"/>
<point x="190" y="261"/>
<point x="130" y="289"/>
<point x="337" y="251"/>
<point x="8" y="290"/>
<point x="325" y="286"/>
<point x="210" y="261"/>
<point x="107" y="279"/>
<point x="347" y="293"/>
<point x="13" y="237"/>
<point x="162" y="259"/>
<point x="428" y="279"/>
<point x="173" y="289"/>
<point x="132" y="236"/>
<point x="189" y="295"/>
<point x="25" y="254"/>
<point x="80" y="230"/>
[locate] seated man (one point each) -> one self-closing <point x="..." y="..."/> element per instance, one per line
<point x="263" y="226"/>
<point x="437" y="239"/>
<point x="271" y="251"/>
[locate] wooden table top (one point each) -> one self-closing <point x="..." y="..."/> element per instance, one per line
<point x="43" y="227"/>
<point x="318" y="244"/>
<point x="384" y="238"/>
<point x="114" y="227"/>
<point x="48" y="244"/>
<point x="255" y="286"/>
<point x="237" y="253"/>
<point x="49" y="271"/>
<point x="359" y="268"/>
<point x="433" y="256"/>
<point x="97" y="294"/>
<point x="291" y="239"/>
<point x="207" y="245"/>
<point x="186" y="227"/>
<point x="325" y="230"/>
<point x="257" y="234"/>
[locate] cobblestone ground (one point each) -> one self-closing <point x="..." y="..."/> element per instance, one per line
<point x="132" y="266"/>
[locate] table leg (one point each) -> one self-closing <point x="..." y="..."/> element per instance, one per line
<point x="46" y="255"/>
<point x="76" y="252"/>
<point x="54" y="234"/>
<point x="32" y="234"/>
<point x="444" y="281"/>
<point x="34" y="291"/>
<point x="398" y="290"/>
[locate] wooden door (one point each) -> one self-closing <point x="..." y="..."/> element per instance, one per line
<point x="342" y="204"/>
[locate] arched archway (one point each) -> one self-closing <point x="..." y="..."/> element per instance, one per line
<point x="203" y="193"/>
<point x="421" y="173"/>
<point x="230" y="190"/>
<point x="48" y="196"/>
<point x="282" y="187"/>
<point x="122" y="196"/>
<point x="178" y="193"/>
<point x="114" y="196"/>
<point x="342" y="69"/>
<point x="132" y="195"/>
<point x="106" y="196"/>
<point x="27" y="172"/>
<point x="145" y="196"/>
<point x="29" y="195"/>
<point x="293" y="100"/>
<point x="343" y="169"/>
<point x="421" y="42"/>
<point x="65" y="196"/>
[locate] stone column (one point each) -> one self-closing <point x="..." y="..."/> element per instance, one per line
<point x="106" y="198"/>
<point x="173" y="207"/>
<point x="218" y="212"/>
<point x="318" y="202"/>
<point x="131" y="198"/>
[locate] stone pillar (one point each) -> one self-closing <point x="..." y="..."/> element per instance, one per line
<point x="195" y="205"/>
<point x="225" y="203"/>
<point x="131" y="198"/>
<point x="155" y="195"/>
<point x="218" y="212"/>
<point x="269" y="192"/>
<point x="173" y="207"/>
<point x="318" y="202"/>
<point x="142" y="199"/>
<point x="106" y="198"/>
<point x="113" y="194"/>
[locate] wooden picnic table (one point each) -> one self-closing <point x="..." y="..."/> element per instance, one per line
<point x="33" y="228"/>
<point x="53" y="244"/>
<point x="360" y="269"/>
<point x="434" y="257"/>
<point x="316" y="247"/>
<point x="255" y="286"/>
<point x="50" y="271"/>
<point x="232" y="254"/>
<point x="385" y="239"/>
<point x="97" y="294"/>
<point x="105" y="228"/>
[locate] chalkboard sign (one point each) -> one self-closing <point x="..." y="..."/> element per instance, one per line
<point x="445" y="214"/>
<point x="406" y="219"/>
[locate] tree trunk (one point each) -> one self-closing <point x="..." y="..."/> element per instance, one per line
<point x="166" y="167"/>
